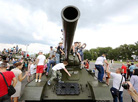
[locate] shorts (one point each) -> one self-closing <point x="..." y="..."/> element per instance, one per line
<point x="39" y="69"/>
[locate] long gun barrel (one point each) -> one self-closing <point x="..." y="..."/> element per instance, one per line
<point x="70" y="16"/>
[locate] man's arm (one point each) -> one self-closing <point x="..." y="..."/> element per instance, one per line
<point x="67" y="71"/>
<point x="37" y="60"/>
<point x="106" y="62"/>
<point x="62" y="51"/>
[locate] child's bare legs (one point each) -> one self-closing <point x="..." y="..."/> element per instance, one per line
<point x="79" y="56"/>
<point x="107" y="81"/>
<point x="28" y="78"/>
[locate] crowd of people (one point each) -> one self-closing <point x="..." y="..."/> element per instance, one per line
<point x="120" y="78"/>
<point x="35" y="67"/>
<point x="13" y="69"/>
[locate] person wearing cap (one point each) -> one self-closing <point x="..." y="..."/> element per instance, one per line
<point x="40" y="62"/>
<point x="51" y="52"/>
<point x="59" y="52"/>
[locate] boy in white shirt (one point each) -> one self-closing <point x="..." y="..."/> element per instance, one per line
<point x="56" y="71"/>
<point x="40" y="62"/>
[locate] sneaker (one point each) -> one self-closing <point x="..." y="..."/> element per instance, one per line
<point x="46" y="73"/>
<point x="102" y="82"/>
<point x="39" y="80"/>
<point x="74" y="54"/>
<point x="61" y="81"/>
<point x="36" y="80"/>
<point x="48" y="82"/>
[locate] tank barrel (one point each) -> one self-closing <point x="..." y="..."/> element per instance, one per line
<point x="70" y="16"/>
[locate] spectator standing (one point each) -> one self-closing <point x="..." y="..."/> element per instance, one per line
<point x="118" y="79"/>
<point x="29" y="72"/>
<point x="128" y="70"/>
<point x="40" y="62"/>
<point x="17" y="49"/>
<point x="32" y="71"/>
<point x="18" y="73"/>
<point x="132" y="67"/>
<point x="10" y="77"/>
<point x="136" y="66"/>
<point x="124" y="70"/>
<point x="99" y="66"/>
<point x="27" y="55"/>
<point x="134" y="80"/>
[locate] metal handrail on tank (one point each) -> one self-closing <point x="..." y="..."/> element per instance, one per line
<point x="70" y="16"/>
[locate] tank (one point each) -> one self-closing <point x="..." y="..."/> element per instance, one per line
<point x="82" y="85"/>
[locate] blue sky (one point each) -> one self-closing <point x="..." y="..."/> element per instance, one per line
<point x="38" y="23"/>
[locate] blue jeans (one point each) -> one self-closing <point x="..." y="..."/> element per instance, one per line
<point x="101" y="72"/>
<point x="49" y="64"/>
<point x="57" y="58"/>
<point x="115" y="97"/>
<point x="131" y="73"/>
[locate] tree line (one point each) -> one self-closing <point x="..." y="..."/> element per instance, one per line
<point x="123" y="52"/>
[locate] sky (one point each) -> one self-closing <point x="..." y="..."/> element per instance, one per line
<point x="36" y="24"/>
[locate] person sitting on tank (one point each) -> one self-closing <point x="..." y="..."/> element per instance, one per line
<point x="75" y="50"/>
<point x="59" y="52"/>
<point x="56" y="71"/>
<point x="80" y="51"/>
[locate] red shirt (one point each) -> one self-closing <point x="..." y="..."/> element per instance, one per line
<point x="9" y="75"/>
<point x="27" y="55"/>
<point x="87" y="65"/>
<point x="125" y="68"/>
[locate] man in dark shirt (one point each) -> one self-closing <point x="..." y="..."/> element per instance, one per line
<point x="59" y="52"/>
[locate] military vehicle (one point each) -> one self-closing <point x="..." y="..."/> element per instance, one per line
<point x="82" y="85"/>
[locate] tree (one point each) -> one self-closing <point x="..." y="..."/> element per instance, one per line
<point x="87" y="55"/>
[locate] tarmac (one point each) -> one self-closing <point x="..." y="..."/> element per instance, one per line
<point x="126" y="96"/>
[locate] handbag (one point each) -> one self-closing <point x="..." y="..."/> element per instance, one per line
<point x="11" y="89"/>
<point x="117" y="90"/>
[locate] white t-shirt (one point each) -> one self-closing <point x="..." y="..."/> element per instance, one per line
<point x="0" y="62"/>
<point x="41" y="59"/>
<point x="58" y="66"/>
<point x="100" y="60"/>
<point x="117" y="80"/>
<point x="32" y="69"/>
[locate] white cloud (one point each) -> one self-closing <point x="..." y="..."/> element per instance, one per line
<point x="110" y="23"/>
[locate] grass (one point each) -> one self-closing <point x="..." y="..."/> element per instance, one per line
<point x="118" y="62"/>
